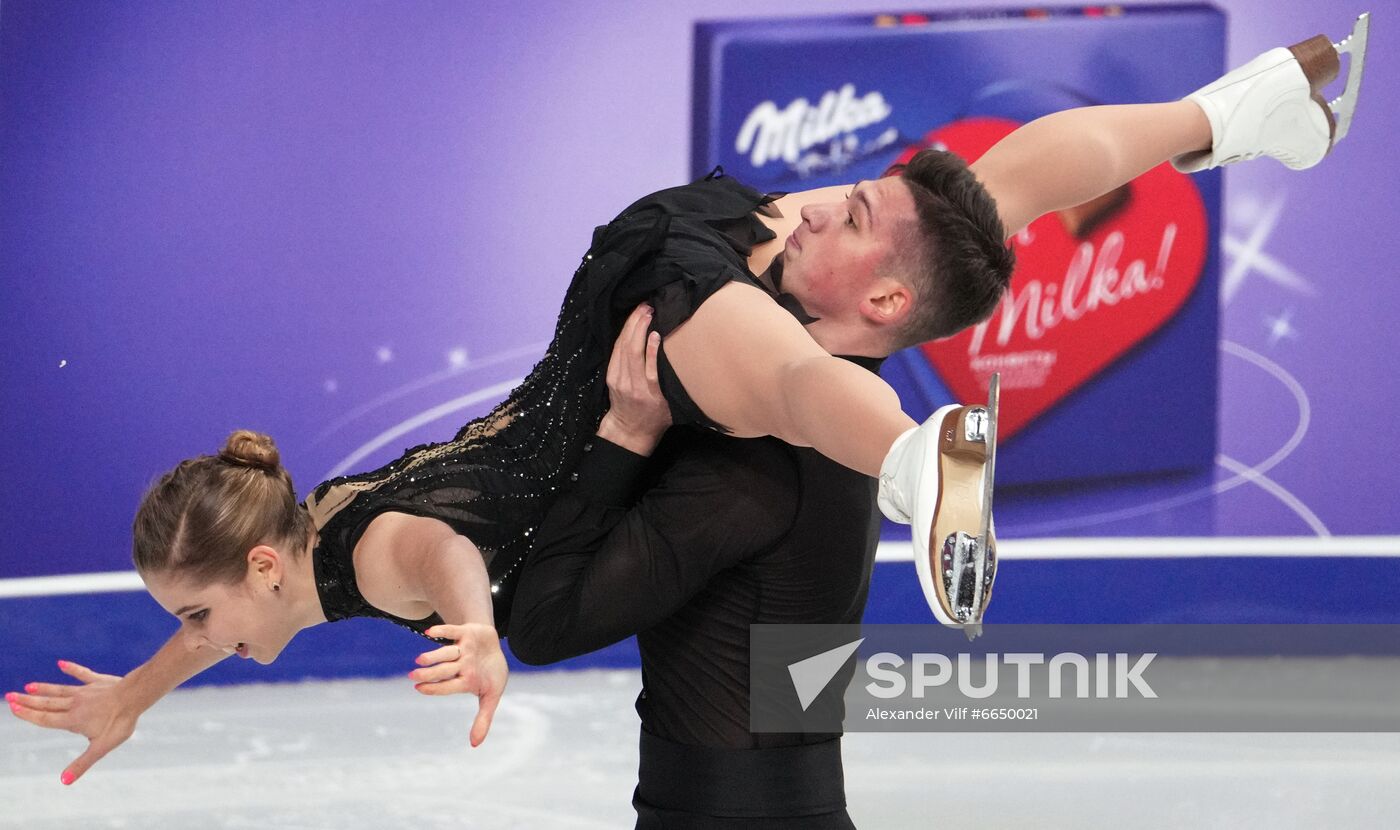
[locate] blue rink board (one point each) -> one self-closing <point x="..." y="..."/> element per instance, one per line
<point x="115" y="632"/>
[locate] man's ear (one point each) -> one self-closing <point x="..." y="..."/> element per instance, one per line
<point x="889" y="303"/>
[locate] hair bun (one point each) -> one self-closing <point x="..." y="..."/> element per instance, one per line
<point x="251" y="449"/>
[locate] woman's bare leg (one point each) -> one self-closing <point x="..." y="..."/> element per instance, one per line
<point x="749" y="365"/>
<point x="1068" y="158"/>
<point x="1071" y="157"/>
<point x="752" y="367"/>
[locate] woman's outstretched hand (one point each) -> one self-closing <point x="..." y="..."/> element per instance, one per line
<point x="474" y="664"/>
<point x="98" y="710"/>
<point x="637" y="413"/>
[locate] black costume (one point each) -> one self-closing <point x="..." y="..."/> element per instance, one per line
<point x="686" y="551"/>
<point x="494" y="480"/>
<point x="798" y="544"/>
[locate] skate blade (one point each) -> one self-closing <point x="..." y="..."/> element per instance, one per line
<point x="1353" y="44"/>
<point x="960" y="577"/>
<point x="984" y="539"/>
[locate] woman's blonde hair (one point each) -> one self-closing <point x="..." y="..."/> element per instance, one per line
<point x="203" y="517"/>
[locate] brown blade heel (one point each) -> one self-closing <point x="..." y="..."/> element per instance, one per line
<point x="1321" y="65"/>
<point x="954" y="440"/>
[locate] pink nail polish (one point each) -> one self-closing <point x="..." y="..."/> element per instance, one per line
<point x="66" y="778"/>
<point x="63" y="664"/>
<point x="10" y="696"/>
<point x="29" y="688"/>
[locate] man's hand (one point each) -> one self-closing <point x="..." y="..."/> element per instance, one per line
<point x="637" y="414"/>
<point x="474" y="664"/>
<point x="99" y="710"/>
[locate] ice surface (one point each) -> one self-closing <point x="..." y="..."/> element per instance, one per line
<point x="562" y="753"/>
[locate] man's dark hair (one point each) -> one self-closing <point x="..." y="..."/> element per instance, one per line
<point x="962" y="263"/>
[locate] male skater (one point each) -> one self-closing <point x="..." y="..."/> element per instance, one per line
<point x="709" y="535"/>
<point x="844" y="264"/>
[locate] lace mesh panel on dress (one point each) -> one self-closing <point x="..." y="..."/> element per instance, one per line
<point x="494" y="480"/>
<point x="491" y="482"/>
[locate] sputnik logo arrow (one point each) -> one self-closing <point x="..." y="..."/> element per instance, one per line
<point x="810" y="676"/>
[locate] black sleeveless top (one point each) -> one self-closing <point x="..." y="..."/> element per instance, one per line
<point x="498" y="475"/>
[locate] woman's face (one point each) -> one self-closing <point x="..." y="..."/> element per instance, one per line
<point x="246" y="618"/>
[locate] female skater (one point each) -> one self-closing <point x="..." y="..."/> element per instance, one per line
<point x="434" y="537"/>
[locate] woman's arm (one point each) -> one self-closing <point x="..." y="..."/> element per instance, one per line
<point x="457" y="586"/>
<point x="104" y="708"/>
<point x="412" y="566"/>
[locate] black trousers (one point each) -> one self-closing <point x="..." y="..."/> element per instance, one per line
<point x="682" y="787"/>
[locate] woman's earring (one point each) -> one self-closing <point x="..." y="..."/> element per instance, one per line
<point x="276" y="587"/>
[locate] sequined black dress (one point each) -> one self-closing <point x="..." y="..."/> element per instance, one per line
<point x="494" y="480"/>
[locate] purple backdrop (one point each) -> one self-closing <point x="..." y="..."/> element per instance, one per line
<point x="349" y="225"/>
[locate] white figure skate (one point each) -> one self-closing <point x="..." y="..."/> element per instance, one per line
<point x="1273" y="105"/>
<point x="938" y="477"/>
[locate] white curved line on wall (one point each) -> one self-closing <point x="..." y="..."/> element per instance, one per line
<point x="1300" y="396"/>
<point x="424" y="382"/>
<point x="442" y="410"/>
<point x="1276" y="490"/>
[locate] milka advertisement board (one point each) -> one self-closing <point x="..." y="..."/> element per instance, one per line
<point x="1109" y="329"/>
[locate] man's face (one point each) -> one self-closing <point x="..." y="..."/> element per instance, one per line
<point x="832" y="259"/>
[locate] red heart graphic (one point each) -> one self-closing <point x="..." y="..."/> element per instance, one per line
<point x="1090" y="283"/>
